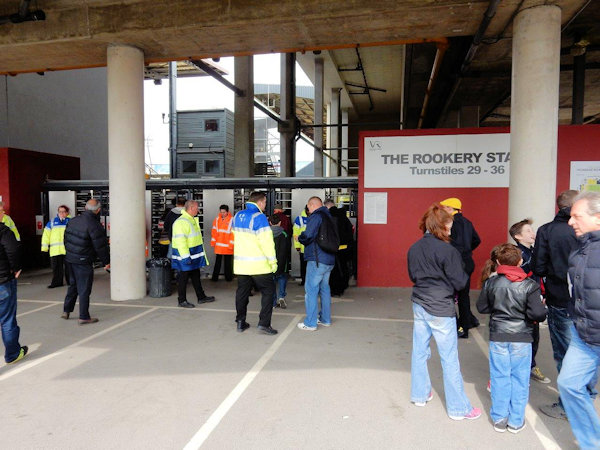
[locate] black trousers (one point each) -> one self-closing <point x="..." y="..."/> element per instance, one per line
<point x="535" y="344"/>
<point x="266" y="286"/>
<point x="59" y="270"/>
<point x="228" y="267"/>
<point x="302" y="268"/>
<point x="182" y="279"/>
<point x="81" y="278"/>
<point x="465" y="316"/>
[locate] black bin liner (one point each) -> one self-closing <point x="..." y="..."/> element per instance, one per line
<point x="159" y="273"/>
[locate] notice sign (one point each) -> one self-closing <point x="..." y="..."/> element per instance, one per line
<point x="457" y="160"/>
<point x="375" y="208"/>
<point x="585" y="175"/>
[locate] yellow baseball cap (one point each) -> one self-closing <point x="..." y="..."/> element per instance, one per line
<point x="452" y="202"/>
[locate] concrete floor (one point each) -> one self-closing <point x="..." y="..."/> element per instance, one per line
<point x="151" y="375"/>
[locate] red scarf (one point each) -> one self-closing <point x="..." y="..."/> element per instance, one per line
<point x="513" y="273"/>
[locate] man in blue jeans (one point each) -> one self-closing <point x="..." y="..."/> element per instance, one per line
<point x="10" y="269"/>
<point x="580" y="364"/>
<point x="318" y="268"/>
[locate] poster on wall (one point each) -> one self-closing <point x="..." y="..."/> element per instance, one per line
<point x="458" y="160"/>
<point x="585" y="176"/>
<point x="375" y="207"/>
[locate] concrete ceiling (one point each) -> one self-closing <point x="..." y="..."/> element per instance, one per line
<point x="76" y="34"/>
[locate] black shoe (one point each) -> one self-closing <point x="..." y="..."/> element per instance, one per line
<point x="186" y="304"/>
<point x="52" y="286"/>
<point x="88" y="321"/>
<point x="474" y="322"/>
<point x="462" y="334"/>
<point x="65" y="315"/>
<point x="242" y="326"/>
<point x="267" y="330"/>
<point x="206" y="299"/>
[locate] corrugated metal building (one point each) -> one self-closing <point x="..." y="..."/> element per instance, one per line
<point x="205" y="144"/>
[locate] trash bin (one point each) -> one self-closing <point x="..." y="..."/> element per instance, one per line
<point x="159" y="273"/>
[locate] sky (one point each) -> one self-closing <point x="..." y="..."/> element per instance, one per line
<point x="195" y="93"/>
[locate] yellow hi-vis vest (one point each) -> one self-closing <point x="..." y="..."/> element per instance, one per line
<point x="6" y="220"/>
<point x="299" y="227"/>
<point x="254" y="250"/>
<point x="53" y="238"/>
<point x="188" y="251"/>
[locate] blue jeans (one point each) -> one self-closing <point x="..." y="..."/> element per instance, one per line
<point x="559" y="325"/>
<point x="443" y="330"/>
<point x="510" y="366"/>
<point x="317" y="285"/>
<point x="8" y="319"/>
<point x="280" y="286"/>
<point x="579" y="368"/>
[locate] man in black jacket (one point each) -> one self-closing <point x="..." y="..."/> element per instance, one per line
<point x="553" y="244"/>
<point x="85" y="239"/>
<point x="10" y="269"/>
<point x="465" y="239"/>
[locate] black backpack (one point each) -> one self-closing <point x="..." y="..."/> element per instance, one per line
<point x="328" y="238"/>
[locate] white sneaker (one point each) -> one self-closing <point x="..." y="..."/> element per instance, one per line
<point x="282" y="304"/>
<point x="426" y="401"/>
<point x="323" y="323"/>
<point x="306" y="328"/>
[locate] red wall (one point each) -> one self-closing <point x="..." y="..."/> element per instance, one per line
<point x="382" y="249"/>
<point x="22" y="173"/>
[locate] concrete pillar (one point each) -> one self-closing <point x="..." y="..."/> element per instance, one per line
<point x="318" y="120"/>
<point x="345" y="165"/>
<point x="534" y="114"/>
<point x="326" y="151"/>
<point x="125" y="82"/>
<point x="243" y="140"/>
<point x="334" y="119"/>
<point x="287" y="141"/>
<point x="173" y="116"/>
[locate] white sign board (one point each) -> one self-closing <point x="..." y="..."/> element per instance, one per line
<point x="457" y="160"/>
<point x="375" y="207"/>
<point x="585" y="176"/>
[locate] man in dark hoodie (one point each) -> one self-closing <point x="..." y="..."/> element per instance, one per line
<point x="10" y="269"/>
<point x="553" y="244"/>
<point x="282" y="251"/>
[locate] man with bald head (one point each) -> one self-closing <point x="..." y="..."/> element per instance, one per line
<point x="85" y="240"/>
<point x="318" y="269"/>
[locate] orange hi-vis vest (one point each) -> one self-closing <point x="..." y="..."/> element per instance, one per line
<point x="221" y="235"/>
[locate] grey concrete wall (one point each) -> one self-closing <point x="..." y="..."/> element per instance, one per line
<point x="61" y="112"/>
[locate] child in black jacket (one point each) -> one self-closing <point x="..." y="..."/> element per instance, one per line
<point x="514" y="303"/>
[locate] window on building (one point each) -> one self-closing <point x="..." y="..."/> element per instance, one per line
<point x="211" y="125"/>
<point x="212" y="167"/>
<point x="189" y="167"/>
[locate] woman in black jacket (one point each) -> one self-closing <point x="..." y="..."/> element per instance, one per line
<point x="436" y="269"/>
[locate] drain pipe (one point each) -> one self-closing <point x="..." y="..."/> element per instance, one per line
<point x="435" y="69"/>
<point x="487" y="18"/>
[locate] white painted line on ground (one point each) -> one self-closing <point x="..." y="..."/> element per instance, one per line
<point x="216" y="417"/>
<point x="39" y="301"/>
<point x="26" y="366"/>
<point x="538" y="426"/>
<point x="223" y="310"/>
<point x="36" y="309"/>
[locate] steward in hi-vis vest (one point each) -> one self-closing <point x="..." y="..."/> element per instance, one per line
<point x="254" y="261"/>
<point x="188" y="254"/>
